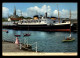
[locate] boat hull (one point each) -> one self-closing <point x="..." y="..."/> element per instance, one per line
<point x="72" y="39"/>
<point x="40" y="27"/>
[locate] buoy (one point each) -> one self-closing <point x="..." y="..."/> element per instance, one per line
<point x="17" y="41"/>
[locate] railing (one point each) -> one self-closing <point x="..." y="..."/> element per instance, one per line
<point x="35" y="43"/>
<point x="8" y="23"/>
<point x="35" y="46"/>
<point x="20" y="45"/>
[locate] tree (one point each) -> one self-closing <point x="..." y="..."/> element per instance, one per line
<point x="4" y="19"/>
<point x="21" y="17"/>
<point x="28" y="18"/>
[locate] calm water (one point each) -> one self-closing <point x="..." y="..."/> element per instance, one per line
<point x="47" y="41"/>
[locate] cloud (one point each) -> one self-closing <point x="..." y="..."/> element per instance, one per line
<point x="65" y="14"/>
<point x="55" y="13"/>
<point x="23" y="13"/>
<point x="74" y="14"/>
<point x="18" y="12"/>
<point x="36" y="10"/>
<point x="5" y="11"/>
<point x="31" y="11"/>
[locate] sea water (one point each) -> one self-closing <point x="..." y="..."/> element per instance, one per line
<point x="46" y="41"/>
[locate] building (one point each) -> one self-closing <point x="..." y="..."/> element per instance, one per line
<point x="14" y="17"/>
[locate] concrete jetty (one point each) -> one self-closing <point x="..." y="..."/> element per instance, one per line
<point x="12" y="47"/>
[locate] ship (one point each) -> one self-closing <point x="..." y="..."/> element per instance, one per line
<point x="40" y="23"/>
<point x="44" y="24"/>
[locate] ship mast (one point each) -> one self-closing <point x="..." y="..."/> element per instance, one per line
<point x="8" y="15"/>
<point x="70" y="22"/>
<point x="58" y="14"/>
<point x="21" y="13"/>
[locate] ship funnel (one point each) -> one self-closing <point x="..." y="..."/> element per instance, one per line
<point x="46" y="15"/>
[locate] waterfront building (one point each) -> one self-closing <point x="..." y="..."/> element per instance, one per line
<point x="14" y="17"/>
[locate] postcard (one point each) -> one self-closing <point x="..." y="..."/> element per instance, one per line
<point x="39" y="29"/>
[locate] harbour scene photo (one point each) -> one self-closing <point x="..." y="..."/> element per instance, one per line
<point x="39" y="28"/>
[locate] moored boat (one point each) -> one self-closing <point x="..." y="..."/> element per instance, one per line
<point x="27" y="35"/>
<point x="68" y="40"/>
<point x="17" y="35"/>
<point x="5" y="31"/>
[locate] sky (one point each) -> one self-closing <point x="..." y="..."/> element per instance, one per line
<point x="31" y="9"/>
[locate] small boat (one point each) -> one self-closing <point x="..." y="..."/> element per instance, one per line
<point x="27" y="35"/>
<point x="17" y="35"/>
<point x="68" y="39"/>
<point x="5" y="31"/>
